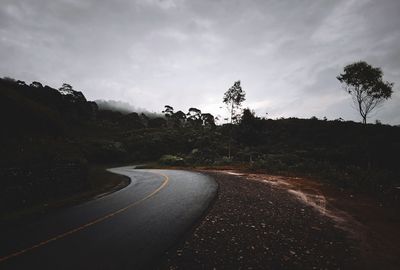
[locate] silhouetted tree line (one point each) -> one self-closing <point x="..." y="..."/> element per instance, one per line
<point x="41" y="109"/>
<point x="193" y="118"/>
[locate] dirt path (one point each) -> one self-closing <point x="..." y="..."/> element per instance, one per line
<point x="269" y="222"/>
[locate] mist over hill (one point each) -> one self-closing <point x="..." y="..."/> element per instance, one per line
<point x="124" y="107"/>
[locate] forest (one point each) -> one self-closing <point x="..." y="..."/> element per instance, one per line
<point x="51" y="137"/>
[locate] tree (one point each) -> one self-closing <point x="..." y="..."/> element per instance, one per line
<point x="179" y="118"/>
<point x="168" y="111"/>
<point x="364" y="83"/>
<point x="233" y="98"/>
<point x="250" y="131"/>
<point x="248" y="117"/>
<point x="36" y="84"/>
<point x="70" y="94"/>
<point x="194" y="117"/>
<point x="66" y="89"/>
<point x="19" y="82"/>
<point x="208" y="120"/>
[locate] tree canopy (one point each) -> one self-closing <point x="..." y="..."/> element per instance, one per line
<point x="168" y="111"/>
<point x="366" y="86"/>
<point x="233" y="98"/>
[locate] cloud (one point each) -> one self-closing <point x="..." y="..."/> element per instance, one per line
<point x="188" y="53"/>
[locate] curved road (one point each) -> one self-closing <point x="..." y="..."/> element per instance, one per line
<point x="128" y="229"/>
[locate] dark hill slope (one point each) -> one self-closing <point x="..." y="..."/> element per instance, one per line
<point x="49" y="139"/>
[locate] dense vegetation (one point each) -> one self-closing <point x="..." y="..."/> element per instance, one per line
<point x="51" y="137"/>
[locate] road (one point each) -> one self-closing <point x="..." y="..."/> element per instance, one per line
<point x="128" y="229"/>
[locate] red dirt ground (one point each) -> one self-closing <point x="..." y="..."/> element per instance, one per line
<point x="261" y="221"/>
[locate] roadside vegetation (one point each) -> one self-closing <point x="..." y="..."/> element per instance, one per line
<point x="51" y="138"/>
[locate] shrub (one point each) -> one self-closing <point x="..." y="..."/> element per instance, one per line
<point x="171" y="160"/>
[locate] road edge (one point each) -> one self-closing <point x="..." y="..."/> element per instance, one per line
<point x="196" y="223"/>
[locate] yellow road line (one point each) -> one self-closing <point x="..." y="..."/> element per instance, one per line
<point x="98" y="220"/>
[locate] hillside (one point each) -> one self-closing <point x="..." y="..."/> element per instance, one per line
<point x="50" y="138"/>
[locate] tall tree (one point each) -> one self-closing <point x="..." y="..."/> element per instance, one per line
<point x="66" y="89"/>
<point x="366" y="86"/>
<point x="179" y="118"/>
<point x="168" y="111"/>
<point x="233" y="98"/>
<point x="194" y="117"/>
<point x="208" y="120"/>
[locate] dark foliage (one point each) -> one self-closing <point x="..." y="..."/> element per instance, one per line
<point x="49" y="139"/>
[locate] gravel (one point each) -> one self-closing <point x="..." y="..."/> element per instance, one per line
<point x="255" y="225"/>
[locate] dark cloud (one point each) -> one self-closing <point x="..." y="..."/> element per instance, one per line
<point x="187" y="53"/>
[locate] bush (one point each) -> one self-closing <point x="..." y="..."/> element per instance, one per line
<point x="171" y="160"/>
<point x="223" y="161"/>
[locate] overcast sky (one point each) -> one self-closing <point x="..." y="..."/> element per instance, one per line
<point x="188" y="53"/>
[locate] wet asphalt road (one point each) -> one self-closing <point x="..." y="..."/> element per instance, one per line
<point x="128" y="229"/>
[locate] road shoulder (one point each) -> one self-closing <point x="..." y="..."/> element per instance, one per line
<point x="257" y="224"/>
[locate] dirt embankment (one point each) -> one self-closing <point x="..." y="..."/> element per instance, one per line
<point x="261" y="221"/>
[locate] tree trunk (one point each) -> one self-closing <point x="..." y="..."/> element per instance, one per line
<point x="230" y="134"/>
<point x="364" y="119"/>
<point x="230" y="142"/>
<point x="232" y="113"/>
